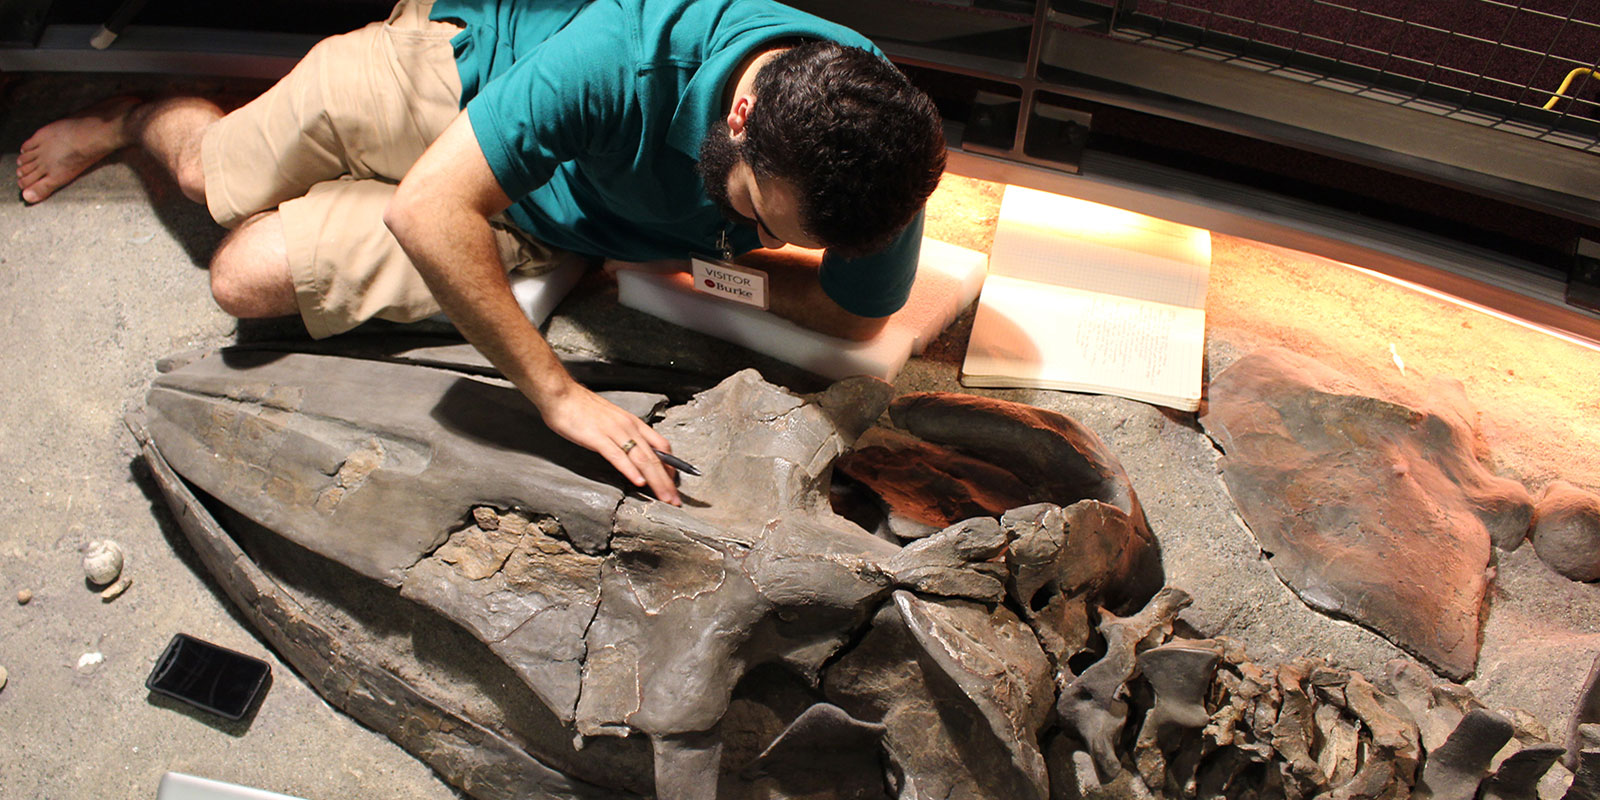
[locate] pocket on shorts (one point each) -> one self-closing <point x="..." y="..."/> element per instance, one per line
<point x="521" y="253"/>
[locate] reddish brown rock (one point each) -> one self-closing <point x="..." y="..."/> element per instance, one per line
<point x="1369" y="510"/>
<point x="930" y="484"/>
<point x="1566" y="534"/>
<point x="1060" y="460"/>
<point x="970" y="456"/>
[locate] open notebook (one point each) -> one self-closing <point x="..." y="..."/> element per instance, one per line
<point x="1088" y="298"/>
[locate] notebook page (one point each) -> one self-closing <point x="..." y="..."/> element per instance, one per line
<point x="1064" y="241"/>
<point x="1026" y="334"/>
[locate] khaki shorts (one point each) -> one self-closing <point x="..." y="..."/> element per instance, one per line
<point x="327" y="145"/>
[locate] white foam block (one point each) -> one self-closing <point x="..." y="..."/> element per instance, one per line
<point x="178" y="786"/>
<point x="948" y="280"/>
<point x="539" y="294"/>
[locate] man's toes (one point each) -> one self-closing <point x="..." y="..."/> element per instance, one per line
<point x="27" y="157"/>
<point x="39" y="189"/>
<point x="36" y="194"/>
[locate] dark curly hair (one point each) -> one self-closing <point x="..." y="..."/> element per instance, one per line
<point x="861" y="145"/>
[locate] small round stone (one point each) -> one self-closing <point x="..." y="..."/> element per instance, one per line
<point x="3" y="677"/>
<point x="1566" y="531"/>
<point x="102" y="561"/>
<point x="24" y="597"/>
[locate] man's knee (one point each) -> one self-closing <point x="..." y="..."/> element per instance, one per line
<point x="250" y="276"/>
<point x="190" y="174"/>
<point x="238" y="289"/>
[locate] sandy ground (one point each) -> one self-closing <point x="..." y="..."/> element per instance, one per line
<point x="108" y="276"/>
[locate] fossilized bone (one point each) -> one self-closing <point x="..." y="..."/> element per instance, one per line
<point x="1180" y="674"/>
<point x="1455" y="770"/>
<point x="625" y="615"/>
<point x="1091" y="704"/>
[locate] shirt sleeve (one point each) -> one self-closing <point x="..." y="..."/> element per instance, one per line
<point x="876" y="285"/>
<point x="556" y="103"/>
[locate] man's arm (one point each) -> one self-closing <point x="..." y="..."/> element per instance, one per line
<point x="848" y="297"/>
<point x="795" y="294"/>
<point x="440" y="215"/>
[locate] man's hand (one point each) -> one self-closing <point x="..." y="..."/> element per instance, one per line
<point x="623" y="439"/>
<point x="440" y="215"/>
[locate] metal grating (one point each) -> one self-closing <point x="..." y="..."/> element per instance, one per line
<point x="1525" y="66"/>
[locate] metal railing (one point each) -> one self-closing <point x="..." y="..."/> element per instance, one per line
<point x="1524" y="67"/>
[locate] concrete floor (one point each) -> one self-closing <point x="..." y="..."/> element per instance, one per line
<point x="108" y="276"/>
<point x="97" y="283"/>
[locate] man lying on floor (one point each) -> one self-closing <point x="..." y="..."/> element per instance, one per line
<point x="406" y="167"/>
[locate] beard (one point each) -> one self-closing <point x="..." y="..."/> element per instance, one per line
<point x="718" y="156"/>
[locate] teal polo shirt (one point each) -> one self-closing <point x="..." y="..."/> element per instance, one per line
<point x="591" y="114"/>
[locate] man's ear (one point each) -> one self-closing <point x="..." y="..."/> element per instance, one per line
<point x="739" y="114"/>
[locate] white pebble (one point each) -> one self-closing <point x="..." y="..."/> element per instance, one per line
<point x="102" y="561"/>
<point x="90" y="659"/>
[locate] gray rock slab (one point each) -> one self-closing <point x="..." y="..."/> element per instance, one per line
<point x="370" y="463"/>
<point x="996" y="663"/>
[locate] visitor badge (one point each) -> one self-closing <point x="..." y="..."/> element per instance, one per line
<point x="719" y="278"/>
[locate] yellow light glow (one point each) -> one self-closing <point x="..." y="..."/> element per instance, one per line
<point x="1482" y="309"/>
<point x="1107" y="225"/>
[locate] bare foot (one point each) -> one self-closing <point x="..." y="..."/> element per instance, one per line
<point x="62" y="150"/>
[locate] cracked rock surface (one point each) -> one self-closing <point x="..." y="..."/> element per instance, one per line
<point x="628" y="618"/>
<point x="755" y="643"/>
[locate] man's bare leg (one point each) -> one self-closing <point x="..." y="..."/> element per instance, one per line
<point x="250" y="276"/>
<point x="169" y="129"/>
